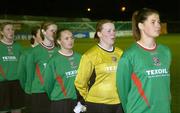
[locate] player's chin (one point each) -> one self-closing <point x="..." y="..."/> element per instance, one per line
<point x="69" y="47"/>
<point x="158" y="32"/>
<point x="112" y="42"/>
<point x="156" y="35"/>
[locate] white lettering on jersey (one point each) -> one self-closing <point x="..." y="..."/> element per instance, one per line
<point x="111" y="68"/>
<point x="9" y="58"/>
<point x="157" y="72"/>
<point x="71" y="73"/>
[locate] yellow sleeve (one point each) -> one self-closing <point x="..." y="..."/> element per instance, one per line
<point x="84" y="73"/>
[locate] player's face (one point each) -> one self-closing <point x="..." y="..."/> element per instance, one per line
<point x="8" y="32"/>
<point x="67" y="40"/>
<point x="151" y="27"/>
<point x="50" y="33"/>
<point x="107" y="34"/>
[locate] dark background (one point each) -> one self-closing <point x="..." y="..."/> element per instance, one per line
<point x="111" y="9"/>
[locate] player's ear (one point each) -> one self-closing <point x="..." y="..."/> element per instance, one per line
<point x="43" y="31"/>
<point x="140" y="26"/>
<point x="99" y="34"/>
<point x="58" y="41"/>
<point x="1" y="33"/>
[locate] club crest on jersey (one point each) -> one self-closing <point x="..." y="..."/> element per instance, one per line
<point x="114" y="59"/>
<point x="73" y="65"/>
<point x="10" y="52"/>
<point x="156" y="61"/>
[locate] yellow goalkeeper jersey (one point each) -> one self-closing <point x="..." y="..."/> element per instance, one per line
<point x="101" y="65"/>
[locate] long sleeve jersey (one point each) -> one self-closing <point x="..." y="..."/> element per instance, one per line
<point x="101" y="65"/>
<point x="59" y="76"/>
<point x="36" y="63"/>
<point x="143" y="79"/>
<point x="9" y="58"/>
<point x="22" y="70"/>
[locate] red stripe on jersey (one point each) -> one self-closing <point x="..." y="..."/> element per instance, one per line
<point x="60" y="81"/>
<point x="138" y="83"/>
<point x="38" y="72"/>
<point x="2" y="71"/>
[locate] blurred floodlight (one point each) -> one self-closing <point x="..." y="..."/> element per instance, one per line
<point x="123" y="8"/>
<point x="88" y="9"/>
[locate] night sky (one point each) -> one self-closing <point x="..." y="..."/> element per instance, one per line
<point x="111" y="9"/>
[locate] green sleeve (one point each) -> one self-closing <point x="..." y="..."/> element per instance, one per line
<point x="49" y="77"/>
<point x="123" y="80"/>
<point x="22" y="70"/>
<point x="30" y="67"/>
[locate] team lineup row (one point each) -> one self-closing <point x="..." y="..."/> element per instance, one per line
<point x="50" y="77"/>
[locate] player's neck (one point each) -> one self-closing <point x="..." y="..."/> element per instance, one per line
<point x="107" y="48"/>
<point x="147" y="44"/>
<point x="7" y="42"/>
<point x="48" y="44"/>
<point x="66" y="52"/>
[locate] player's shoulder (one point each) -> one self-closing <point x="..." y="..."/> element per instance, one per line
<point x="162" y="46"/>
<point x="17" y="44"/>
<point x="118" y="49"/>
<point x="92" y="50"/>
<point x="77" y="53"/>
<point x="131" y="48"/>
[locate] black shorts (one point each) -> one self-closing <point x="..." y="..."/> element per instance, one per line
<point x="27" y="103"/>
<point x="63" y="106"/>
<point x="11" y="95"/>
<point x="40" y="103"/>
<point x="103" y="108"/>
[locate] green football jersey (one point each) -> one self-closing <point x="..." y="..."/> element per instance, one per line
<point x="36" y="64"/>
<point x="22" y="70"/>
<point x="59" y="76"/>
<point x="143" y="79"/>
<point x="9" y="58"/>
